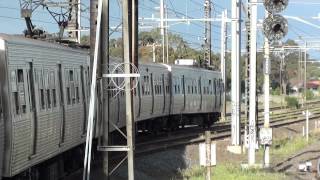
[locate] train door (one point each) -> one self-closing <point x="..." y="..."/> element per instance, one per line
<point x="62" y="103"/>
<point x="21" y="109"/>
<point x="33" y="107"/>
<point x="84" y="83"/>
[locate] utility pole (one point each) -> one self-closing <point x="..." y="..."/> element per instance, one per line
<point x="79" y="22"/>
<point x="235" y="71"/>
<point x="167" y="34"/>
<point x="207" y="32"/>
<point x="93" y="28"/>
<point x="162" y="29"/>
<point x="305" y="73"/>
<point x="128" y="98"/>
<point x="247" y="82"/>
<point x="224" y="46"/>
<point x="104" y="54"/>
<point x="253" y="74"/>
<point x="267" y="96"/>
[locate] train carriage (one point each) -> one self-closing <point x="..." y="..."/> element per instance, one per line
<point x="44" y="94"/>
<point x="41" y="98"/>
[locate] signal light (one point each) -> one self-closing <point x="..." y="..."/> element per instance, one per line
<point x="275" y="27"/>
<point x="275" y="6"/>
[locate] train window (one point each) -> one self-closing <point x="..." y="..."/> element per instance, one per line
<point x="48" y="98"/>
<point x="53" y="90"/>
<point x="210" y="85"/>
<point x="146" y="85"/>
<point x="68" y="96"/>
<point x="20" y="75"/>
<point x="16" y="102"/>
<point x="215" y="87"/>
<point x="54" y="97"/>
<point x="13" y="81"/>
<point x="21" y="92"/>
<point x="42" y="101"/>
<point x="77" y="95"/>
<point x="188" y="89"/>
<point x="71" y="75"/>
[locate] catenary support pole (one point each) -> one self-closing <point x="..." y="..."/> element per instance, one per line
<point x="247" y="72"/>
<point x="235" y="72"/>
<point x="253" y="74"/>
<point x="267" y="96"/>
<point x="162" y="29"/>
<point x="208" y="154"/>
<point x="223" y="46"/>
<point x="128" y="98"/>
<point x="207" y="31"/>
<point x="88" y="147"/>
<point x="104" y="54"/>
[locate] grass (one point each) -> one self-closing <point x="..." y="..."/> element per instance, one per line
<point x="289" y="146"/>
<point x="231" y="172"/>
<point x="280" y="148"/>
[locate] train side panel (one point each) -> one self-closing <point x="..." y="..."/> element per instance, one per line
<point x="39" y="129"/>
<point x="2" y="114"/>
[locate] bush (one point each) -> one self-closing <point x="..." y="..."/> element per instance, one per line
<point x="309" y="95"/>
<point x="275" y="91"/>
<point x="292" y="102"/>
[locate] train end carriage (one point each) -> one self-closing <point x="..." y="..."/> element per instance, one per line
<point x="44" y="86"/>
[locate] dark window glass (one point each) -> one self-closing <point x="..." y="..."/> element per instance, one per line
<point x="54" y="97"/>
<point x="42" y="101"/>
<point x="20" y="76"/>
<point x="77" y="95"/>
<point x="16" y="102"/>
<point x="49" y="98"/>
<point x="68" y="95"/>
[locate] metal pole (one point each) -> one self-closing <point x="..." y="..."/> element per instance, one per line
<point x="88" y="148"/>
<point x="153" y="52"/>
<point x="208" y="154"/>
<point x="207" y="8"/>
<point x="104" y="54"/>
<point x="305" y="73"/>
<point x="93" y="28"/>
<point x="307" y="125"/>
<point x="223" y="60"/>
<point x="253" y="74"/>
<point x="247" y="72"/>
<point x="128" y="99"/>
<point x="235" y="73"/>
<point x="162" y="29"/>
<point x="167" y="35"/>
<point x="79" y="22"/>
<point x="267" y="96"/>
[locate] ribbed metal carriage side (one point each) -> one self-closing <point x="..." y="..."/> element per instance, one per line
<point x="2" y="132"/>
<point x="20" y="154"/>
<point x="3" y="104"/>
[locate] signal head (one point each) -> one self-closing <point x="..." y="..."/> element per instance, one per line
<point x="275" y="6"/>
<point x="275" y="27"/>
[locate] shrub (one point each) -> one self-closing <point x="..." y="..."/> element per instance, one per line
<point x="309" y="95"/>
<point x="275" y="91"/>
<point x="292" y="102"/>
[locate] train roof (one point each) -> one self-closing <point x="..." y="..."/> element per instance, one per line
<point x="40" y="43"/>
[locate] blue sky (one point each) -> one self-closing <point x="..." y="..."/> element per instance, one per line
<point x="12" y="23"/>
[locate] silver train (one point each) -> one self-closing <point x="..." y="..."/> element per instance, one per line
<point x="44" y="94"/>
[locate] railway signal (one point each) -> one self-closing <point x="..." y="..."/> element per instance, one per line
<point x="275" y="26"/>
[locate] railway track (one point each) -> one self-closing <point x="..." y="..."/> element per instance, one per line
<point x="222" y="130"/>
<point x="281" y="117"/>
